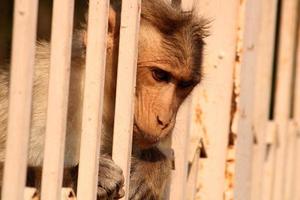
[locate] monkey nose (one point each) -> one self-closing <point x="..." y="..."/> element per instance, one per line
<point x="162" y="123"/>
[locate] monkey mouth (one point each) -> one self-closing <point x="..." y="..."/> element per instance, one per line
<point x="144" y="139"/>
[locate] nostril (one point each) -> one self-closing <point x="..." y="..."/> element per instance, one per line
<point x="159" y="121"/>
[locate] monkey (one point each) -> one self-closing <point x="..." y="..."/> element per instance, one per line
<point x="169" y="66"/>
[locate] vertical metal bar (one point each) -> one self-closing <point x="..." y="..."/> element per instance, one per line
<point x="192" y="176"/>
<point x="61" y="39"/>
<point x="196" y="138"/>
<point x="21" y="80"/>
<point x="287" y="36"/>
<point x="290" y="159"/>
<point x="214" y="105"/>
<point x="269" y="161"/>
<point x="93" y="99"/>
<point x="180" y="143"/>
<point x="180" y="140"/>
<point x="130" y="19"/>
<point x="245" y="123"/>
<point x="296" y="191"/>
<point x="263" y="78"/>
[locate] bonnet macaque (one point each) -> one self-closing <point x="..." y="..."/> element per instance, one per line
<point x="169" y="66"/>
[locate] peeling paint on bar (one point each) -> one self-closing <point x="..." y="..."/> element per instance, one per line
<point x="243" y="152"/>
<point x="262" y="99"/>
<point x="215" y="94"/>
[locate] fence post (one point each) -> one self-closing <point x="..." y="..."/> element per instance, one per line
<point x="268" y="171"/>
<point x="213" y="109"/>
<point x="263" y="79"/>
<point x="287" y="36"/>
<point x="122" y="143"/>
<point x="296" y="183"/>
<point x="20" y="98"/>
<point x="93" y="99"/>
<point x="180" y="139"/>
<point x="59" y="75"/>
<point x="245" y="124"/>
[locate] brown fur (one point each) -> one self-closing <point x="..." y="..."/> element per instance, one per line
<point x="170" y="41"/>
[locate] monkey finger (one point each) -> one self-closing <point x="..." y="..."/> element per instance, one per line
<point x="101" y="194"/>
<point x="120" y="194"/>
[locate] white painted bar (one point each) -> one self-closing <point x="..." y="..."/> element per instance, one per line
<point x="196" y="128"/>
<point x="192" y="176"/>
<point x="263" y="78"/>
<point x="269" y="161"/>
<point x="215" y="97"/>
<point x="244" y="142"/>
<point x="180" y="140"/>
<point x="93" y="99"/>
<point x="20" y="91"/>
<point x="122" y="143"/>
<point x="61" y="38"/>
<point x="296" y="191"/>
<point x="287" y="36"/>
<point x="290" y="156"/>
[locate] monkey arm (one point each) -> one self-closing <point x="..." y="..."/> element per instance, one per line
<point x="150" y="172"/>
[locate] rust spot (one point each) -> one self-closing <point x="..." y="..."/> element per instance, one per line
<point x="243" y="114"/>
<point x="205" y="96"/>
<point x="21" y="13"/>
<point x="35" y="195"/>
<point x="198" y="113"/>
<point x="237" y="57"/>
<point x="71" y="195"/>
<point x="232" y="139"/>
<point x="255" y="139"/>
<point x="203" y="153"/>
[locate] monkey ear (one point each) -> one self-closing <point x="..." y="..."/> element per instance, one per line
<point x="113" y="24"/>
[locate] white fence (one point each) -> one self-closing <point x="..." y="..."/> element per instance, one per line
<point x="239" y="136"/>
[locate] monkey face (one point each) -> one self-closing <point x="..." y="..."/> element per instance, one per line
<point x="169" y="66"/>
<point x="164" y="80"/>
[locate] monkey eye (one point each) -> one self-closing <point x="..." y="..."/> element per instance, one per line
<point x="161" y="75"/>
<point x="186" y="84"/>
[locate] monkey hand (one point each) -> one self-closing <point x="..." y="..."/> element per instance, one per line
<point x="110" y="180"/>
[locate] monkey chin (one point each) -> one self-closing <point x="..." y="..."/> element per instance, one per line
<point x="146" y="140"/>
